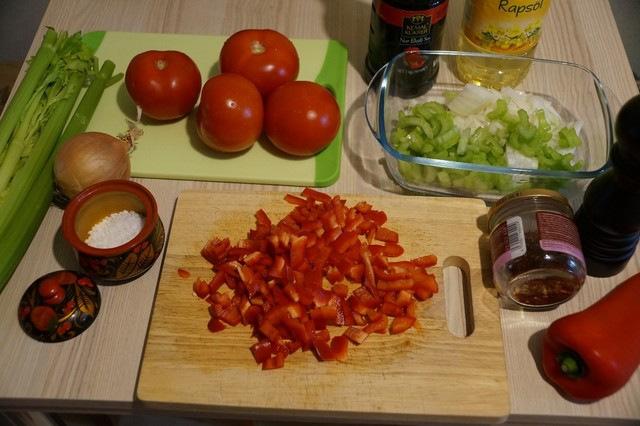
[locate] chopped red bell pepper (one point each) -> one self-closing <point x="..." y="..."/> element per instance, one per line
<point x="201" y="288"/>
<point x="314" y="268"/>
<point x="215" y="325"/>
<point x="340" y="348"/>
<point x="261" y="351"/>
<point x="386" y="235"/>
<point x="356" y="335"/>
<point x="312" y="194"/>
<point x="401" y="324"/>
<point x="276" y="361"/>
<point x="378" y="326"/>
<point x="425" y="261"/>
<point x="215" y="250"/>
<point x="292" y="199"/>
<point x="340" y="289"/>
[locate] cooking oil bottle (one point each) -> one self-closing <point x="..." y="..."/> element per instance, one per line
<point x="505" y="27"/>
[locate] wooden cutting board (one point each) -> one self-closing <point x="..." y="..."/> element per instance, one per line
<point x="172" y="150"/>
<point x="425" y="374"/>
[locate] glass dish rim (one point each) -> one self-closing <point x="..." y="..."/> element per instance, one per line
<point x="381" y="137"/>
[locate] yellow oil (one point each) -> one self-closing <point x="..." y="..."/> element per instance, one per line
<point x="489" y="72"/>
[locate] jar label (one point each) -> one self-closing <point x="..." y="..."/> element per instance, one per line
<point x="555" y="232"/>
<point x="558" y="233"/>
<point x="508" y="241"/>
<point x="505" y="26"/>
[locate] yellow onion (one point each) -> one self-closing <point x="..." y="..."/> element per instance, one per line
<point x="89" y="158"/>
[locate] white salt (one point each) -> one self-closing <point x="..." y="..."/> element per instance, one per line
<point x="115" y="229"/>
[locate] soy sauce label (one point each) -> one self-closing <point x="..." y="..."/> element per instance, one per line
<point x="415" y="30"/>
<point x="414" y="26"/>
<point x="396" y="16"/>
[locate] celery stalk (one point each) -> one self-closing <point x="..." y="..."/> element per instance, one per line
<point x="24" y="134"/>
<point x="87" y="106"/>
<point x="37" y="68"/>
<point x="26" y="176"/>
<point x="17" y="238"/>
<point x="70" y="57"/>
<point x="21" y="211"/>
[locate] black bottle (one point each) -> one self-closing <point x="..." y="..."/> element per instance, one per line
<point x="609" y="218"/>
<point x="404" y="26"/>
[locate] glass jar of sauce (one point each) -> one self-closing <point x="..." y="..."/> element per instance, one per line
<point x="535" y="249"/>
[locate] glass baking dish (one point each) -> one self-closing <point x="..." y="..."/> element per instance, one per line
<point x="572" y="91"/>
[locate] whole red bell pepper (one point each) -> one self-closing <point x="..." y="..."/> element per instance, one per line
<point x="591" y="354"/>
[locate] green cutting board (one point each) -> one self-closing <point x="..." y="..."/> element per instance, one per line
<point x="172" y="150"/>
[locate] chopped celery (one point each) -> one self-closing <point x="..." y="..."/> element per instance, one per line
<point x="433" y="130"/>
<point x="567" y="138"/>
<point x="443" y="178"/>
<point x="421" y="123"/>
<point x="430" y="174"/>
<point x="410" y="171"/>
<point x="499" y="111"/>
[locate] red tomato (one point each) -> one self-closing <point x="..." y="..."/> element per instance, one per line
<point x="265" y="57"/>
<point x="165" y="84"/>
<point x="301" y="118"/>
<point x="230" y="114"/>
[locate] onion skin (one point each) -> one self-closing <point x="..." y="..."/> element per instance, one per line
<point x="89" y="158"/>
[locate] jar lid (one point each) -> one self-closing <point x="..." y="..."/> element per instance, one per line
<point x="59" y="306"/>
<point x="526" y="194"/>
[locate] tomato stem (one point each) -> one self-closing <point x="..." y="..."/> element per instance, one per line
<point x="161" y="64"/>
<point x="257" y="48"/>
<point x="571" y="364"/>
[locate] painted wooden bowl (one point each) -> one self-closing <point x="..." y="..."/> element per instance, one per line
<point x="105" y="210"/>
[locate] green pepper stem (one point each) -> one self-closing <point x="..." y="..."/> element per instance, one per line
<point x="571" y="364"/>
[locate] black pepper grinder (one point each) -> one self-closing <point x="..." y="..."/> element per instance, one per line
<point x="609" y="219"/>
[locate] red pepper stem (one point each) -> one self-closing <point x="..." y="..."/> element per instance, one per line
<point x="571" y="364"/>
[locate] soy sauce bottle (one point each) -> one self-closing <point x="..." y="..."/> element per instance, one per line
<point x="609" y="219"/>
<point x="406" y="26"/>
